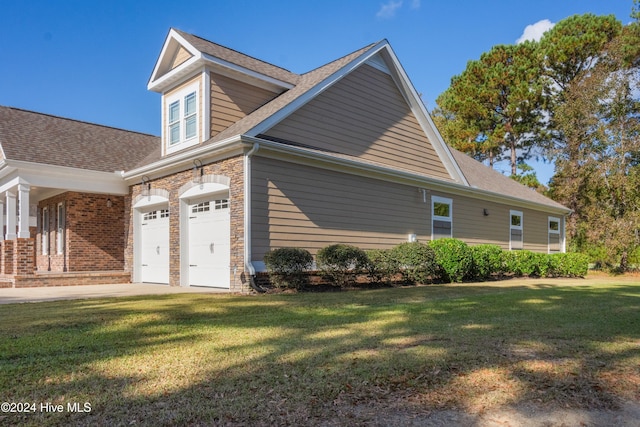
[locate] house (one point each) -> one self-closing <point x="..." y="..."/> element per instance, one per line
<point x="251" y="157"/>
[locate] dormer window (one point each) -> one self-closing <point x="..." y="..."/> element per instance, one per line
<point x="181" y="128"/>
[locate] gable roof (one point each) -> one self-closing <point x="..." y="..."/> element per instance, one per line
<point x="167" y="71"/>
<point x="41" y="138"/>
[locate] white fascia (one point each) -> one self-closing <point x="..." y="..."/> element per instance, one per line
<point x="61" y="177"/>
<point x="198" y="61"/>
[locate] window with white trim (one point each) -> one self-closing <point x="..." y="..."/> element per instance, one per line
<point x="182" y="118"/>
<point x="441" y="217"/>
<point x="45" y="231"/>
<point x="149" y="216"/>
<point x="60" y="229"/>
<point x="201" y="207"/>
<point x="221" y="204"/>
<point x="555" y="239"/>
<point x="515" y="230"/>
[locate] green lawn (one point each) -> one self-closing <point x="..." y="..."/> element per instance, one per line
<point x="303" y="358"/>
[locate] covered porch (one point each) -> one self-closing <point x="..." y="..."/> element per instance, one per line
<point x="55" y="222"/>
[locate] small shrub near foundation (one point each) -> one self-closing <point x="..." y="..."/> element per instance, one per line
<point x="416" y="262"/>
<point x="288" y="267"/>
<point x="454" y="258"/>
<point x="341" y="263"/>
<point x="487" y="261"/>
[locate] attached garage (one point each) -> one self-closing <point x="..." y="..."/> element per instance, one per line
<point x="154" y="237"/>
<point x="205" y="233"/>
<point x="209" y="243"/>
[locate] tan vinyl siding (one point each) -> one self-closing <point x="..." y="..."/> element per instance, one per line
<point x="363" y="115"/>
<point x="181" y="56"/>
<point x="306" y="207"/>
<point x="231" y="100"/>
<point x="471" y="225"/>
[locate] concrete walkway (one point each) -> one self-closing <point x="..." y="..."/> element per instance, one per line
<point x="55" y="293"/>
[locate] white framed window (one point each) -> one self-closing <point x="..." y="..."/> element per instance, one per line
<point x="150" y="216"/>
<point x="45" y="231"/>
<point x="164" y="213"/>
<point x="516" y="229"/>
<point x="222" y="204"/>
<point x="555" y="238"/>
<point x="441" y="217"/>
<point x="60" y="229"/>
<point x="201" y="207"/>
<point x="181" y="118"/>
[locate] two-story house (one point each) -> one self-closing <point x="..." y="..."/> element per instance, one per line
<point x="251" y="157"/>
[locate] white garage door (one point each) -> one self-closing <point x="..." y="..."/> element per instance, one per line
<point x="155" y="246"/>
<point x="209" y="243"/>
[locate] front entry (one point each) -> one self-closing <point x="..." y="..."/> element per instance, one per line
<point x="209" y="243"/>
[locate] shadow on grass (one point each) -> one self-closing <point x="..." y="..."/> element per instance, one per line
<point x="203" y="359"/>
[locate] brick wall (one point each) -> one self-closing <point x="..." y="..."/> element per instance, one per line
<point x="231" y="168"/>
<point x="94" y="233"/>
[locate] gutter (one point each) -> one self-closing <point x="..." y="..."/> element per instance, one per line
<point x="247" y="217"/>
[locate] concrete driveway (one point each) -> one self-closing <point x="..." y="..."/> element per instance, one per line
<point x="55" y="293"/>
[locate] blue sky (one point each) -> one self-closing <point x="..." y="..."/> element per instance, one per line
<point x="91" y="60"/>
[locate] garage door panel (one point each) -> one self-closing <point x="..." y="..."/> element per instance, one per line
<point x="155" y="247"/>
<point x="209" y="244"/>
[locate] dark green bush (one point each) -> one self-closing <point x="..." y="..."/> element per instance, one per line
<point x="487" y="261"/>
<point x="454" y="258"/>
<point x="568" y="265"/>
<point x="416" y="262"/>
<point x="287" y="267"/>
<point x="382" y="266"/>
<point x="341" y="263"/>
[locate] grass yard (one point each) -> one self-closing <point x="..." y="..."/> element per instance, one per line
<point x="314" y="358"/>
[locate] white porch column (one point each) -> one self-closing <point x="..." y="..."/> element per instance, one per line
<point x="23" y="218"/>
<point x="11" y="216"/>
<point x="1" y="221"/>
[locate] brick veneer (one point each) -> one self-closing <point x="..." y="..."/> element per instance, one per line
<point x="231" y="168"/>
<point x="94" y="233"/>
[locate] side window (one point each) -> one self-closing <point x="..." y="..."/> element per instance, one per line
<point x="555" y="239"/>
<point x="515" y="230"/>
<point x="441" y="217"/>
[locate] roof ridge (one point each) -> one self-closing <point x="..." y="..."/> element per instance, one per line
<point x="76" y="120"/>
<point x="362" y="49"/>
<point x="234" y="50"/>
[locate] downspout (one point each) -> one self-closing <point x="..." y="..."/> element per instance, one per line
<point x="247" y="218"/>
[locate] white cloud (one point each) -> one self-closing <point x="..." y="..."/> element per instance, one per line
<point x="415" y="4"/>
<point x="388" y="10"/>
<point x="535" y="31"/>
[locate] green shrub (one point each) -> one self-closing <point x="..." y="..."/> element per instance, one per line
<point x="416" y="261"/>
<point x="568" y="265"/>
<point x="287" y="267"/>
<point x="454" y="258"/>
<point x="382" y="266"/>
<point x="487" y="261"/>
<point x="341" y="263"/>
<point x="520" y="263"/>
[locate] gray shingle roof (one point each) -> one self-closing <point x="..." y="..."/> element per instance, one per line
<point x="237" y="58"/>
<point x="41" y="138"/>
<point x="485" y="178"/>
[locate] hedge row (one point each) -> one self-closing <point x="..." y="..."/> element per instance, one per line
<point x="448" y="260"/>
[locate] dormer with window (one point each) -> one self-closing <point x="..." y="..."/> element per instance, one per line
<point x="206" y="88"/>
